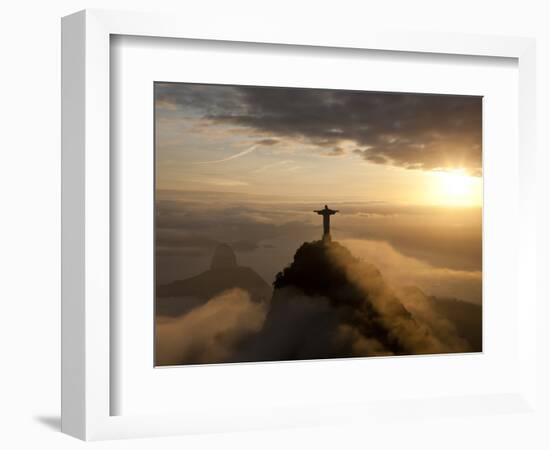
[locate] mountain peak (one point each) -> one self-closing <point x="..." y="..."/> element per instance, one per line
<point x="321" y="268"/>
<point x="224" y="258"/>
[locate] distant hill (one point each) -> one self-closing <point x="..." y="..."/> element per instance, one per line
<point x="181" y="296"/>
<point x="466" y="317"/>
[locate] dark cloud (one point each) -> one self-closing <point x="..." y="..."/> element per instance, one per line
<point x="198" y="98"/>
<point x="268" y="141"/>
<point x="417" y="131"/>
<point x="372" y="157"/>
<point x="336" y="151"/>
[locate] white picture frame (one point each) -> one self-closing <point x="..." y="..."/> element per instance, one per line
<point x="86" y="222"/>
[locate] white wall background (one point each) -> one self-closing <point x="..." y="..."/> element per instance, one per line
<point x="29" y="225"/>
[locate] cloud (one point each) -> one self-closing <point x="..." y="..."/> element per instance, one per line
<point x="326" y="304"/>
<point x="401" y="271"/>
<point x="442" y="237"/>
<point x="442" y="327"/>
<point x="372" y="157"/>
<point x="268" y="141"/>
<point x="244" y="246"/>
<point x="197" y="99"/>
<point x="209" y="333"/>
<point x="336" y="151"/>
<point x="297" y="326"/>
<point x="176" y="238"/>
<point x="416" y="131"/>
<point x="229" y="158"/>
<point x="190" y="224"/>
<point x="409" y="334"/>
<point x="274" y="165"/>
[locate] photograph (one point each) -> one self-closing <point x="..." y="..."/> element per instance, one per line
<point x="296" y="223"/>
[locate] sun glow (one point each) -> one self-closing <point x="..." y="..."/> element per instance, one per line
<point x="456" y="187"/>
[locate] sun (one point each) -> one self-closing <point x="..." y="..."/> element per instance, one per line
<point x="456" y="187"/>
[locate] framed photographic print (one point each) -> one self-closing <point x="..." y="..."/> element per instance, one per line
<point x="247" y="271"/>
<point x="263" y="229"/>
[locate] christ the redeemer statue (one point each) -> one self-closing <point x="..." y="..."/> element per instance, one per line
<point x="326" y="212"/>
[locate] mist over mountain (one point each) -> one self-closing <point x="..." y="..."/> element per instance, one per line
<point x="180" y="296"/>
<point x="466" y="318"/>
<point x="326" y="304"/>
<point x="252" y="167"/>
<point x="329" y="304"/>
<point x="434" y="248"/>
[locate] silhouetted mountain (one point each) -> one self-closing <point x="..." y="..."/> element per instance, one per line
<point x="321" y="268"/>
<point x="328" y="304"/>
<point x="180" y="296"/>
<point x="224" y="258"/>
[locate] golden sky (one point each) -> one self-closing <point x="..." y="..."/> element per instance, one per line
<point x="326" y="145"/>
